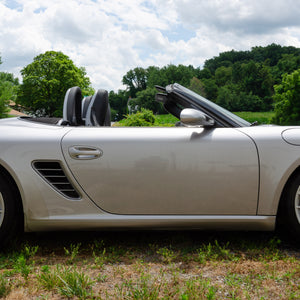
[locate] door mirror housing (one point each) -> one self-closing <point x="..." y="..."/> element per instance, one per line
<point x="194" y="118"/>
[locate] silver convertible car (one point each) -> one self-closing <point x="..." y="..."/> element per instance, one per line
<point x="213" y="170"/>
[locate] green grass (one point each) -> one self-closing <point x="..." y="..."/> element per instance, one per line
<point x="260" y="117"/>
<point x="151" y="265"/>
<point x="165" y="120"/>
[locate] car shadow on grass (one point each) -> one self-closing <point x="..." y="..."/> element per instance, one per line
<point x="139" y="242"/>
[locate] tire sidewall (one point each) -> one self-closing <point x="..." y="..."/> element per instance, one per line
<point x="288" y="214"/>
<point x="11" y="221"/>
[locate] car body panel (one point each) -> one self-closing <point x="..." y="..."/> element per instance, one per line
<point x="167" y="170"/>
<point x="23" y="142"/>
<point x="278" y="160"/>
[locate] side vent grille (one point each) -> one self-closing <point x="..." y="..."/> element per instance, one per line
<point x="53" y="173"/>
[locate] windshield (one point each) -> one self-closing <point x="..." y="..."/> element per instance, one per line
<point x="241" y="122"/>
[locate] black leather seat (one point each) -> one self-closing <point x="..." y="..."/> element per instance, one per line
<point x="98" y="112"/>
<point x="85" y="104"/>
<point x="72" y="107"/>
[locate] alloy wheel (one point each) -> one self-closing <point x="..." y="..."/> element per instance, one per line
<point x="297" y="204"/>
<point x="2" y="208"/>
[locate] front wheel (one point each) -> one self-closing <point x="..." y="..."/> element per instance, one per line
<point x="289" y="209"/>
<point x="10" y="211"/>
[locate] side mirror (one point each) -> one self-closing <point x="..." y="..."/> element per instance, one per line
<point x="193" y="118"/>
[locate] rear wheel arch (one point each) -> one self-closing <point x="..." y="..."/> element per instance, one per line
<point x="10" y="191"/>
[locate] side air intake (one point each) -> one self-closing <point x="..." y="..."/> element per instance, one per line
<point x="54" y="174"/>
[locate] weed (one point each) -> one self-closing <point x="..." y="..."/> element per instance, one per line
<point x="100" y="259"/>
<point x="49" y="279"/>
<point x="69" y="282"/>
<point x="74" y="283"/>
<point x="144" y="288"/>
<point x="97" y="246"/>
<point x="29" y="251"/>
<point x="22" y="267"/>
<point x="72" y="252"/>
<point x="214" y="252"/>
<point x="167" y="254"/>
<point x="198" y="289"/>
<point x="4" y="286"/>
<point x="101" y="278"/>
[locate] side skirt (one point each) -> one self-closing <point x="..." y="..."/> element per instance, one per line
<point x="102" y="222"/>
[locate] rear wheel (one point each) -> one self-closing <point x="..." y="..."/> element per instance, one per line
<point x="2" y="209"/>
<point x="289" y="209"/>
<point x="10" y="211"/>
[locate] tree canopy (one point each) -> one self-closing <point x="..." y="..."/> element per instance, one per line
<point x="287" y="97"/>
<point x="46" y="80"/>
<point x="8" y="90"/>
<point x="237" y="80"/>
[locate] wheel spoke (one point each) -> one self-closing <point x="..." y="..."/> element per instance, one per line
<point x="297" y="204"/>
<point x="1" y="209"/>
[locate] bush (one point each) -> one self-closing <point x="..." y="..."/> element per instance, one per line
<point x="144" y="117"/>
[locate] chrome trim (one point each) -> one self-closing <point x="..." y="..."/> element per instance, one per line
<point x="85" y="152"/>
<point x="2" y="209"/>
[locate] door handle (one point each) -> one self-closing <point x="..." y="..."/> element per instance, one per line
<point x="85" y="152"/>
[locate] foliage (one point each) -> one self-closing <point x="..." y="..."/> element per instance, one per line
<point x="118" y="103"/>
<point x="169" y="120"/>
<point x="144" y="117"/>
<point x="145" y="99"/>
<point x="237" y="80"/>
<point x="197" y="86"/>
<point x="141" y="83"/>
<point x="136" y="80"/>
<point x="8" y="90"/>
<point x="287" y="97"/>
<point x="4" y="286"/>
<point x="46" y="80"/>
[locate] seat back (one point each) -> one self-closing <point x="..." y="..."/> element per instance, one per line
<point x="98" y="112"/>
<point x="72" y="107"/>
<point x="84" y="107"/>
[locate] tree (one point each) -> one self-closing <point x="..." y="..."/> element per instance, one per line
<point x="118" y="103"/>
<point x="287" y="97"/>
<point x="136" y="80"/>
<point x="197" y="86"/>
<point x="8" y="89"/>
<point x="46" y="80"/>
<point x="5" y="95"/>
<point x="146" y="99"/>
<point x="223" y="75"/>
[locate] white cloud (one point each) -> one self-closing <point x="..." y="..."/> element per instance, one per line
<point x="110" y="37"/>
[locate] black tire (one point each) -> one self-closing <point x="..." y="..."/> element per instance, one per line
<point x="289" y="210"/>
<point x="11" y="216"/>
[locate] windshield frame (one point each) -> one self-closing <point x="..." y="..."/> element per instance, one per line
<point x="222" y="116"/>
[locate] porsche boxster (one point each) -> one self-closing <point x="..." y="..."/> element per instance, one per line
<point x="213" y="170"/>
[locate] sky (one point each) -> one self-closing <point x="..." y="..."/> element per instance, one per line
<point x="110" y="37"/>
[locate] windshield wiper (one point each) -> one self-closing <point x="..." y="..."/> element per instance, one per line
<point x="254" y="123"/>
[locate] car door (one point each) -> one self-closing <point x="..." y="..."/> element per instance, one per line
<point x="159" y="171"/>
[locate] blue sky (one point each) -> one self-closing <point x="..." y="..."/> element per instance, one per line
<point x="110" y="37"/>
